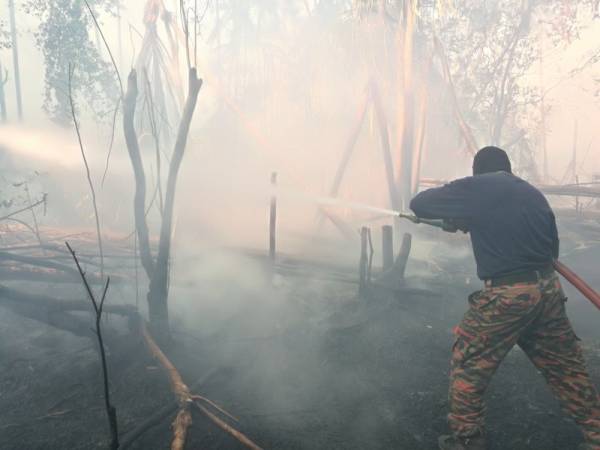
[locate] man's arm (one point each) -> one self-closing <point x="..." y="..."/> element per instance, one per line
<point x="449" y="202"/>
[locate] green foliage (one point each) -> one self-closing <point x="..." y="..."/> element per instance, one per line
<point x="64" y="38"/>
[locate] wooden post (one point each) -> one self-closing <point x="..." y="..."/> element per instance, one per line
<point x="15" y="54"/>
<point x="371" y="251"/>
<point x="364" y="261"/>
<point x="403" y="254"/>
<point x="387" y="250"/>
<point x="273" y="218"/>
<point x="575" y="176"/>
<point x="575" y="151"/>
<point x="578" y="208"/>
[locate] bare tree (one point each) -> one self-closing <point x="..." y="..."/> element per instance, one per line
<point x="157" y="269"/>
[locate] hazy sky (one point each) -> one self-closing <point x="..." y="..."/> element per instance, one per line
<point x="570" y="100"/>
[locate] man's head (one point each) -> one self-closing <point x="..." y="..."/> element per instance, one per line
<point x="491" y="159"/>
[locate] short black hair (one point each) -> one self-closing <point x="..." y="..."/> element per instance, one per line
<point x="491" y="159"/>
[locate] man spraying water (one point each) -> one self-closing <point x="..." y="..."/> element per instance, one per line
<point x="515" y="241"/>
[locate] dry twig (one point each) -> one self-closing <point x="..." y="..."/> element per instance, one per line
<point x="110" y="409"/>
<point x="87" y="170"/>
<point x="228" y="428"/>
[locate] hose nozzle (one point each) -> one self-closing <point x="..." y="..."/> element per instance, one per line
<point x="442" y="224"/>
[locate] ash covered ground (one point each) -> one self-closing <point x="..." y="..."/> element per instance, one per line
<point x="301" y="361"/>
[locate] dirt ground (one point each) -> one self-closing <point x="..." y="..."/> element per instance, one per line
<point x="302" y="362"/>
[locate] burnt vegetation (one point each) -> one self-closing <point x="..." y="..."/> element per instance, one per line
<point x="334" y="334"/>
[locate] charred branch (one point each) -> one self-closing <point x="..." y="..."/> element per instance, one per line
<point x="111" y="412"/>
<point x="133" y="148"/>
<point x="157" y="296"/>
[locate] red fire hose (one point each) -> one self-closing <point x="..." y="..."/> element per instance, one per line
<point x="581" y="285"/>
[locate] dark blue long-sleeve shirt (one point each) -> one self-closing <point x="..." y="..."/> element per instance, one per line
<point x="512" y="226"/>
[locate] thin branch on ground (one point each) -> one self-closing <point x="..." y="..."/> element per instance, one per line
<point x="130" y="437"/>
<point x="227" y="428"/>
<point x="87" y="170"/>
<point x="185" y="399"/>
<point x="200" y="398"/>
<point x="110" y="409"/>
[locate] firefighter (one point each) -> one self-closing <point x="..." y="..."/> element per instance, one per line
<point x="515" y="240"/>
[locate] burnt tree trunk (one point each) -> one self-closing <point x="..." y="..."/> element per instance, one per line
<point x="159" y="282"/>
<point x="157" y="270"/>
<point x="133" y="148"/>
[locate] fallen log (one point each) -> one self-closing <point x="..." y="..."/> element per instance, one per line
<point x="35" y="275"/>
<point x="64" y="321"/>
<point x="46" y="275"/>
<point x="57" y="313"/>
<point x="185" y="399"/>
<point x="37" y="262"/>
<point x="182" y="393"/>
<point x="156" y="418"/>
<point x="52" y="304"/>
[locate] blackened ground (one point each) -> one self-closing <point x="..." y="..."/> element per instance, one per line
<point x="306" y="364"/>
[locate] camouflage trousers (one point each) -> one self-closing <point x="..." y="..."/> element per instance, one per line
<point x="533" y="316"/>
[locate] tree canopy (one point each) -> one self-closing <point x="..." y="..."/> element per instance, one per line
<point x="64" y="38"/>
